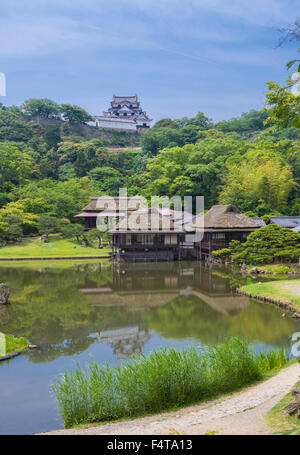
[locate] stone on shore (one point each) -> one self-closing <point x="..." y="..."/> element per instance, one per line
<point x="4" y="294"/>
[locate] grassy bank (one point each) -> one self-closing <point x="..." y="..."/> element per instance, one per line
<point x="60" y="264"/>
<point x="283" y="424"/>
<point x="10" y="344"/>
<point x="278" y="269"/>
<point x="57" y="247"/>
<point x="287" y="291"/>
<point x="163" y="380"/>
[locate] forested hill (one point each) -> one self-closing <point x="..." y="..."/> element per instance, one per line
<point x="51" y="161"/>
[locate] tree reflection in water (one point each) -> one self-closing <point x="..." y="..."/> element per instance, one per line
<point x="65" y="308"/>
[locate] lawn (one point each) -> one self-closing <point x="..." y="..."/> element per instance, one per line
<point x="285" y="290"/>
<point x="10" y="344"/>
<point x="277" y="268"/>
<point x="51" y="264"/>
<point x="280" y="423"/>
<point x="57" y="247"/>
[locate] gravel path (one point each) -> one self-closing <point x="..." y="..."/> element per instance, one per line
<point x="239" y="413"/>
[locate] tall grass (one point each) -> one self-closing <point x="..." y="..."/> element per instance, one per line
<point x="164" y="379"/>
<point x="13" y="344"/>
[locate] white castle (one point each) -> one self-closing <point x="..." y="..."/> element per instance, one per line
<point x="125" y="113"/>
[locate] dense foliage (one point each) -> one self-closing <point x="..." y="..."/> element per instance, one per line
<point x="52" y="161"/>
<point x="268" y="244"/>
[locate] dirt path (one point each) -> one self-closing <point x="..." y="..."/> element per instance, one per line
<point x="240" y="413"/>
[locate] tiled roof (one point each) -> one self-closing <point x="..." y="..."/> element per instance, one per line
<point x="119" y="99"/>
<point x="285" y="221"/>
<point x="258" y="220"/>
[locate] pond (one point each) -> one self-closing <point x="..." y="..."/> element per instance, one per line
<point x="110" y="311"/>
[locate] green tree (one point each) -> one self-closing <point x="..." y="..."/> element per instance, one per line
<point x="12" y="128"/>
<point x="166" y="123"/>
<point x="14" y="224"/>
<point x="48" y="225"/>
<point x="268" y="244"/>
<point x="159" y="138"/>
<point x="52" y="136"/>
<point x="193" y="169"/>
<point x="83" y="155"/>
<point x="70" y="230"/>
<point x="200" y="120"/>
<point x="106" y="179"/>
<point x="15" y="166"/>
<point x="75" y="114"/>
<point x="60" y="199"/>
<point x="259" y="175"/>
<point x="44" y="108"/>
<point x="17" y="211"/>
<point x="94" y="235"/>
<point x="284" y="110"/>
<point x="248" y="122"/>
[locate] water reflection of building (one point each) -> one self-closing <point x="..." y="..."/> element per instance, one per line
<point x="125" y="341"/>
<point x="137" y="286"/>
<point x="136" y="293"/>
<point x="162" y="282"/>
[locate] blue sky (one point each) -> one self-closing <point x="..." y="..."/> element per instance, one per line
<point x="179" y="56"/>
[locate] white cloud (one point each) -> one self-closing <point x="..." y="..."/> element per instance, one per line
<point x="254" y="57"/>
<point x="260" y="12"/>
<point x="38" y="27"/>
<point x="21" y="38"/>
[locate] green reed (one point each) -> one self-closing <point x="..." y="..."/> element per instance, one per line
<point x="162" y="380"/>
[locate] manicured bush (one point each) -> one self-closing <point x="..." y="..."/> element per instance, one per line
<point x="266" y="245"/>
<point x="224" y="253"/>
<point x="71" y="230"/>
<point x="160" y="381"/>
<point x="269" y="244"/>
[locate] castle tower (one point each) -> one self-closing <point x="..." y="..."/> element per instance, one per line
<point x="126" y="113"/>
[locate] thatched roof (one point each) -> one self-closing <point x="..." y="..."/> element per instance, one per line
<point x="226" y="217"/>
<point x="146" y="222"/>
<point x="112" y="203"/>
<point x="218" y="218"/>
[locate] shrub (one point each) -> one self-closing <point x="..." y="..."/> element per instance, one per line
<point x="164" y="379"/>
<point x="70" y="230"/>
<point x="269" y="244"/>
<point x="48" y="225"/>
<point x="224" y="253"/>
<point x="94" y="235"/>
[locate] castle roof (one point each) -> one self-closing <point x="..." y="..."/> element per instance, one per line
<point x="121" y="99"/>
